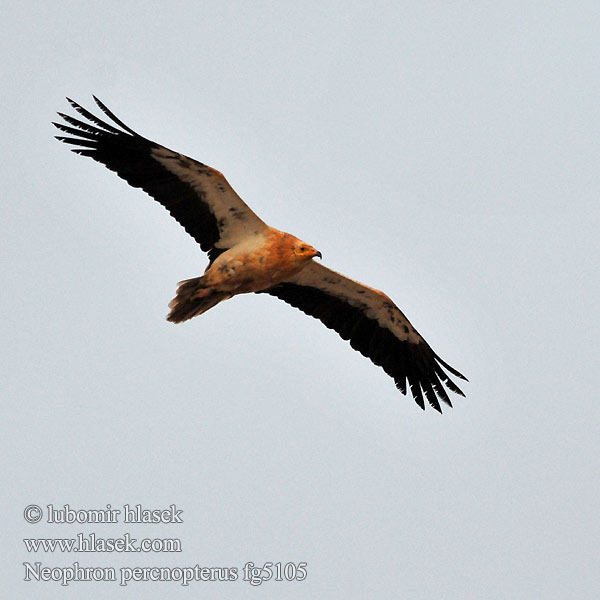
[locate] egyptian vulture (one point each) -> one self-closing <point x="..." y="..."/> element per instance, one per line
<point x="247" y="255"/>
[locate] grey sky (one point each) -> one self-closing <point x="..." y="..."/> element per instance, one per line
<point x="446" y="153"/>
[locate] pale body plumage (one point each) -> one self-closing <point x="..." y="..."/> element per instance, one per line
<point x="259" y="262"/>
<point x="255" y="264"/>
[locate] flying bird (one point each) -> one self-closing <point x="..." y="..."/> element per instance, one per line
<point x="247" y="255"/>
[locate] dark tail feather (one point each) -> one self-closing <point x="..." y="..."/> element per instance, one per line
<point x="192" y="299"/>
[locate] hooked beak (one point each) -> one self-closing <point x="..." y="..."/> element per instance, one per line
<point x="318" y="255"/>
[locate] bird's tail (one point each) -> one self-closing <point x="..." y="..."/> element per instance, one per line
<point x="193" y="298"/>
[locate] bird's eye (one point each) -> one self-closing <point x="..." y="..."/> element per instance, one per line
<point x="302" y="248"/>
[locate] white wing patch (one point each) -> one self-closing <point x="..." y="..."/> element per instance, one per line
<point x="235" y="220"/>
<point x="375" y="304"/>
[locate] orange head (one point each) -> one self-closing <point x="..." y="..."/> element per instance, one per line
<point x="303" y="251"/>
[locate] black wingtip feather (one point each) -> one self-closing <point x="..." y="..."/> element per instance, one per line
<point x="109" y="113"/>
<point x="93" y="118"/>
<point x="415" y="389"/>
<point x="430" y="395"/>
<point x="451" y="369"/>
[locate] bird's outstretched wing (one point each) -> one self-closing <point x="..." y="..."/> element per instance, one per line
<point x="198" y="196"/>
<point x="375" y="327"/>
